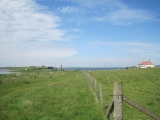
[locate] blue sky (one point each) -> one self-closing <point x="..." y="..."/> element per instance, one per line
<point x="79" y="33"/>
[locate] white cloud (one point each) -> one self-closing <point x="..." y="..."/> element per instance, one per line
<point x="110" y="4"/>
<point x="28" y="29"/>
<point x="50" y="53"/>
<point x="132" y="47"/>
<point x="140" y="51"/>
<point x="141" y="44"/>
<point x="70" y="9"/>
<point x="38" y="53"/>
<point x="127" y="16"/>
<point x="111" y="11"/>
<point x="23" y="19"/>
<point x="137" y="44"/>
<point x="95" y="43"/>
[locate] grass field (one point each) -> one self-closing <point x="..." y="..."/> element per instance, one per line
<point x="41" y="94"/>
<point x="47" y="95"/>
<point x="140" y="85"/>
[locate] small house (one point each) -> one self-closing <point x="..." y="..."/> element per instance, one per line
<point x="146" y="64"/>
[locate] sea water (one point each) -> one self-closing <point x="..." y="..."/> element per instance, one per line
<point x="93" y="68"/>
<point x="6" y="71"/>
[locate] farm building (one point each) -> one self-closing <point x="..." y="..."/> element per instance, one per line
<point x="146" y="64"/>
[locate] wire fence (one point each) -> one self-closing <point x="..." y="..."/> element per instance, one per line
<point x="97" y="89"/>
<point x="117" y="102"/>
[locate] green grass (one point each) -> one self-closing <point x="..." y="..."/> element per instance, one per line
<point x="47" y="95"/>
<point x="41" y="94"/>
<point x="140" y="85"/>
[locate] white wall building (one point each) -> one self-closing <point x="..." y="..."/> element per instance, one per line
<point x="146" y="64"/>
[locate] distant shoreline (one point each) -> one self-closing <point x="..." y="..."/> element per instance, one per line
<point x="92" y="68"/>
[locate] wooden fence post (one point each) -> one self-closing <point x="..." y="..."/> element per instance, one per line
<point x="101" y="96"/>
<point x="95" y="87"/>
<point x="117" y="93"/>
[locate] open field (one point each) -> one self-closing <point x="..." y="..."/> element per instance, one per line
<point x="66" y="95"/>
<point x="47" y="95"/>
<point x="140" y="85"/>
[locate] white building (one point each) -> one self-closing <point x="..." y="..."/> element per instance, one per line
<point x="146" y="64"/>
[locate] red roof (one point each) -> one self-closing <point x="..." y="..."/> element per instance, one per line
<point x="146" y="63"/>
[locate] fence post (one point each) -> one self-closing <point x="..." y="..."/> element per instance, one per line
<point x="95" y="86"/>
<point x="101" y="96"/>
<point x="117" y="93"/>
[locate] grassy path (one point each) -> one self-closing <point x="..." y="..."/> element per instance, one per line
<point x="58" y="96"/>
